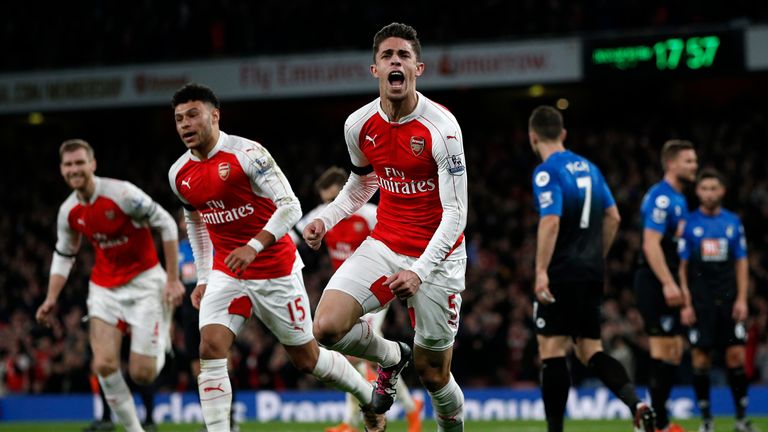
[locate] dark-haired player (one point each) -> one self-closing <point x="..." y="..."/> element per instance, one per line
<point x="578" y="222"/>
<point x="239" y="205"/>
<point x="714" y="269"/>
<point x="410" y="149"/>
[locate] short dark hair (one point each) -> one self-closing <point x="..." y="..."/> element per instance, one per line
<point x="74" y="144"/>
<point x="672" y="148"/>
<point x="398" y="30"/>
<point x="332" y="176"/>
<point x="710" y="173"/>
<point x="546" y="122"/>
<point x="194" y="92"/>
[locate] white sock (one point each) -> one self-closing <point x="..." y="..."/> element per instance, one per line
<point x="352" y="416"/>
<point x="333" y="368"/>
<point x="448" y="403"/>
<point x="404" y="396"/>
<point x="215" y="394"/>
<point x="361" y="342"/>
<point x="120" y="400"/>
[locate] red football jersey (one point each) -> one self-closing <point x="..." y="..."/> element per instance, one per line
<point x="235" y="191"/>
<point x="419" y="161"/>
<point x="114" y="221"/>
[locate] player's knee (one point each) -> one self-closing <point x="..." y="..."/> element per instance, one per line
<point x="326" y="331"/>
<point x="105" y="366"/>
<point x="211" y="348"/>
<point x="143" y="375"/>
<point x="734" y="357"/>
<point x="433" y="379"/>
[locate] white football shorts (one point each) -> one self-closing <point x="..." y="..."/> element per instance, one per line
<point x="281" y="304"/>
<point x="434" y="309"/>
<point x="137" y="306"/>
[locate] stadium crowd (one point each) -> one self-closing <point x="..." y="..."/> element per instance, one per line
<point x="496" y="344"/>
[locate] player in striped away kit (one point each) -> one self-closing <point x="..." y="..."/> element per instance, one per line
<point x="239" y="207"/>
<point x="128" y="291"/>
<point x="578" y="222"/>
<point x="714" y="269"/>
<point x="411" y="150"/>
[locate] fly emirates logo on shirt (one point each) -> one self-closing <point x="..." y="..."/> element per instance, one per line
<point x="105" y="242"/>
<point x="396" y="182"/>
<point x="219" y="213"/>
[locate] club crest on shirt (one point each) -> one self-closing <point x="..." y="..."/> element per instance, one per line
<point x="224" y="171"/>
<point x="417" y="145"/>
<point x="110" y="214"/>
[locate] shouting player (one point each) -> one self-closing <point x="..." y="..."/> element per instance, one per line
<point x="410" y="148"/>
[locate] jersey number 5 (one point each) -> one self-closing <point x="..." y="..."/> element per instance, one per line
<point x="586" y="184"/>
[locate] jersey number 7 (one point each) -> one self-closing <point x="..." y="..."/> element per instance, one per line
<point x="586" y="184"/>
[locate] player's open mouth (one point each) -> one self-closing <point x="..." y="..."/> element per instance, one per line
<point x="188" y="135"/>
<point x="396" y="79"/>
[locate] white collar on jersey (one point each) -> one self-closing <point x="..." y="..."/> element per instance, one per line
<point x="222" y="138"/>
<point x="421" y="103"/>
<point x="96" y="191"/>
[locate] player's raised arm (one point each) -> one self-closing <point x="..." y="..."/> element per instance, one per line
<point x="357" y="191"/>
<point x="448" y="153"/>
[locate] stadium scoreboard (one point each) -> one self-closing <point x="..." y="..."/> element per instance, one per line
<point x="665" y="55"/>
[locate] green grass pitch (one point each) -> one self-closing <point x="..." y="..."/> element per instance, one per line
<point x="722" y="424"/>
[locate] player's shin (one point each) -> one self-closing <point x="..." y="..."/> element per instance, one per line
<point x="737" y="380"/>
<point x="660" y="386"/>
<point x="362" y="342"/>
<point x="215" y="394"/>
<point x="613" y="375"/>
<point x="120" y="400"/>
<point x="333" y="369"/>
<point x="701" y="385"/>
<point x="555" y="383"/>
<point x="448" y="404"/>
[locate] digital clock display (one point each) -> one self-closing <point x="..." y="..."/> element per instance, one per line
<point x="722" y="51"/>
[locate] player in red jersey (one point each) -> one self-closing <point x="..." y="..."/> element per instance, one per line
<point x="126" y="289"/>
<point x="410" y="149"/>
<point x="239" y="207"/>
<point x="341" y="242"/>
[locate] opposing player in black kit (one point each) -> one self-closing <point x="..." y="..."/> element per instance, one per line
<point x="714" y="269"/>
<point x="579" y="220"/>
